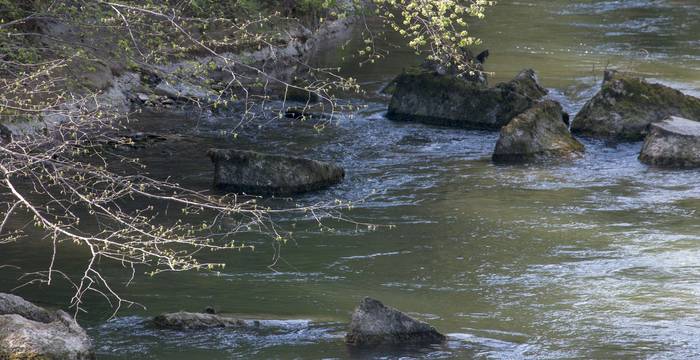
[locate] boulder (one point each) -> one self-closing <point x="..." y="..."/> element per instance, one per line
<point x="30" y="332"/>
<point x="264" y="174"/>
<point x="13" y="304"/>
<point x="538" y="133"/>
<point x="432" y="98"/>
<point x="625" y="106"/>
<point x="192" y="321"/>
<point x="373" y="324"/>
<point x="674" y="142"/>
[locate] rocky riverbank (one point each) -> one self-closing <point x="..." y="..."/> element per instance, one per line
<point x="199" y="81"/>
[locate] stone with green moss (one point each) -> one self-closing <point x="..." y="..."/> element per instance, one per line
<point x="626" y="105"/>
<point x="538" y="133"/>
<point x="432" y="98"/>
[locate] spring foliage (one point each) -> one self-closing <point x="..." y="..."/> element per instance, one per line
<point x="51" y="56"/>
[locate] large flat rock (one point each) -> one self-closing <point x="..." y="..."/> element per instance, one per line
<point x="674" y="142"/>
<point x="256" y="173"/>
<point x="190" y="321"/>
<point x="432" y="98"/>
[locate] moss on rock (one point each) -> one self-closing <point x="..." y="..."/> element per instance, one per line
<point x="538" y="133"/>
<point x="625" y="106"/>
<point x="431" y="98"/>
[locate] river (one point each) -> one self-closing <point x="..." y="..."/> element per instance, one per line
<point x="595" y="258"/>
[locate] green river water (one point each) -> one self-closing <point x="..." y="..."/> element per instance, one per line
<point x="593" y="259"/>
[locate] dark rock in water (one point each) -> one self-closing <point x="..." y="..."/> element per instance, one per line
<point x="257" y="173"/>
<point x="481" y="58"/>
<point x="304" y="113"/>
<point x="373" y="324"/>
<point x="301" y="95"/>
<point x="674" y="142"/>
<point x="538" y="133"/>
<point x="414" y="140"/>
<point x="192" y="321"/>
<point x="30" y="332"/>
<point x="210" y="310"/>
<point x="625" y="106"/>
<point x="447" y="100"/>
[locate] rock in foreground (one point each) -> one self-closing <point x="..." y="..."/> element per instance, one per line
<point x="625" y="106"/>
<point x="674" y="142"/>
<point x="256" y="173"/>
<point x="432" y="98"/>
<point x="373" y="324"/>
<point x="188" y="321"/>
<point x="30" y="332"/>
<point x="538" y="133"/>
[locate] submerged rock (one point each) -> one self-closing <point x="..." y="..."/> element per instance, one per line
<point x="539" y="132"/>
<point x="257" y="173"/>
<point x="188" y="321"/>
<point x="447" y="100"/>
<point x="414" y="139"/>
<point x="373" y="324"/>
<point x="625" y="106"/>
<point x="674" y="142"/>
<point x="30" y="332"/>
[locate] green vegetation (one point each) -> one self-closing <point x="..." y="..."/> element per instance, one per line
<point x="59" y="57"/>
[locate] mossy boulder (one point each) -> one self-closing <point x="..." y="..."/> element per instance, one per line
<point x="674" y="142"/>
<point x="432" y="98"/>
<point x="626" y="105"/>
<point x="264" y="174"/>
<point x="538" y="133"/>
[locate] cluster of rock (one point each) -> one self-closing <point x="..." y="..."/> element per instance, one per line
<point x="372" y="324"/>
<point x="199" y="80"/>
<point x="31" y="332"/>
<point x="630" y="109"/>
<point x="625" y="107"/>
<point x="531" y="128"/>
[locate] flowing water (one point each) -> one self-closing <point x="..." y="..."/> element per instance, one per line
<point x="595" y="258"/>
